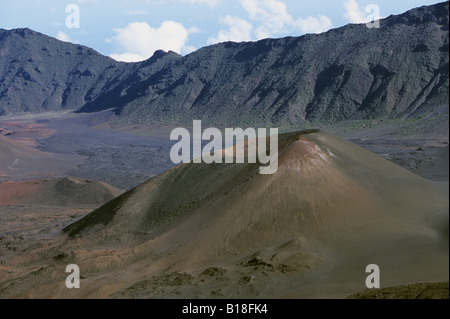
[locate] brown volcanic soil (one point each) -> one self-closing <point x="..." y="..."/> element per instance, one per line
<point x="223" y="230"/>
<point x="415" y="291"/>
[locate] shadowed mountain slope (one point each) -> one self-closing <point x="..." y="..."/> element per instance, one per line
<point x="398" y="70"/>
<point x="39" y="73"/>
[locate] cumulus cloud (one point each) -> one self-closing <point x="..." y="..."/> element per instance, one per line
<point x="269" y="18"/>
<point x="271" y="14"/>
<point x="274" y="19"/>
<point x="353" y="12"/>
<point x="138" y="40"/>
<point x="314" y="25"/>
<point x="63" y="37"/>
<point x="239" y="30"/>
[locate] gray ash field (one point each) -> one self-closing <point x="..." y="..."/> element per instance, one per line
<point x="117" y="157"/>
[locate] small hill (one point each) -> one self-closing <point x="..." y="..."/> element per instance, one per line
<point x="311" y="228"/>
<point x="65" y="192"/>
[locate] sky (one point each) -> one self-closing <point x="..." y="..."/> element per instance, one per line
<point x="131" y="30"/>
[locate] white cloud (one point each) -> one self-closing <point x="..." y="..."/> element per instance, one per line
<point x="194" y="30"/>
<point x="271" y="14"/>
<point x="138" y="40"/>
<point x="239" y="30"/>
<point x="271" y="19"/>
<point x="353" y="12"/>
<point x="314" y="25"/>
<point x="274" y="19"/>
<point x="63" y="37"/>
<point x="189" y="49"/>
<point x="128" y="57"/>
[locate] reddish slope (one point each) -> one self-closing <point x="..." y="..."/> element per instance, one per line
<point x="18" y="161"/>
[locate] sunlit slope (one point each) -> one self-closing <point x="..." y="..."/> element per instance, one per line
<point x="326" y="190"/>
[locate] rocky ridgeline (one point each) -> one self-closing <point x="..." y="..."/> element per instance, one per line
<point x="398" y="70"/>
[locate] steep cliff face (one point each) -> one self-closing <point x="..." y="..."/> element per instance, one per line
<point x="398" y="70"/>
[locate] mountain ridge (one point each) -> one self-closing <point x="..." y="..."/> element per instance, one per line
<point x="352" y="72"/>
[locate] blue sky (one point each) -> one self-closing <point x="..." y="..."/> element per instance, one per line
<point x="132" y="30"/>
